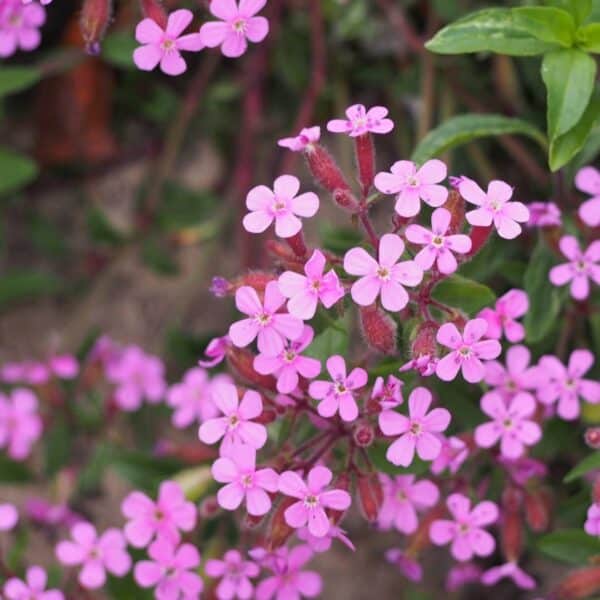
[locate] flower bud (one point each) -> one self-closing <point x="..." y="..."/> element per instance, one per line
<point x="342" y="482"/>
<point x="220" y="287"/>
<point x="255" y="279"/>
<point x="280" y="250"/>
<point x="365" y="159"/>
<point x="325" y="170"/>
<point x="95" y="15"/>
<point x="456" y="205"/>
<point x="512" y="538"/>
<point x="578" y="584"/>
<point x="379" y="329"/>
<point x="345" y="199"/>
<point x="298" y="245"/>
<point x="424" y="343"/>
<point x="538" y="505"/>
<point x="363" y="434"/>
<point x="370" y="496"/>
<point x="479" y="236"/>
<point x="279" y="531"/>
<point x="267" y="416"/>
<point x="592" y="437"/>
<point x="209" y="508"/>
<point x="153" y="9"/>
<point x="512" y="499"/>
<point x="241" y="361"/>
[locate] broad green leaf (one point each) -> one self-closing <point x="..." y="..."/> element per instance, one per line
<point x="332" y="340"/>
<point x="491" y="30"/>
<point x="588" y="37"/>
<point x="117" y="49"/>
<point x="579" y="9"/>
<point x="570" y="545"/>
<point x="24" y="285"/>
<point x="546" y="23"/>
<point x="459" y="292"/>
<point x="589" y="463"/>
<point x="466" y="128"/>
<point x="17" y="79"/>
<point x="16" y="171"/>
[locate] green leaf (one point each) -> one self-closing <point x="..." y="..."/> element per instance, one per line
<point x="546" y="23"/>
<point x="25" y="285"/>
<point x="579" y="9"/>
<point x="569" y="79"/>
<point x="332" y="340"/>
<point x="16" y="171"/>
<point x="570" y="546"/>
<point x="117" y="49"/>
<point x="589" y="463"/>
<point x="466" y="128"/>
<point x="58" y="443"/>
<point x="459" y="292"/>
<point x="155" y="255"/>
<point x="588" y="37"/>
<point x="100" y="228"/>
<point x="491" y="30"/>
<point x="17" y="79"/>
<point x="13" y="472"/>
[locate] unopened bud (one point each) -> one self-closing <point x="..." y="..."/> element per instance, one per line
<point x="456" y="205"/>
<point x="578" y="584"/>
<point x="370" y="496"/>
<point x="280" y="250"/>
<point x="345" y="199"/>
<point x="266" y="416"/>
<point x="596" y="491"/>
<point x="279" y="531"/>
<point x="379" y="329"/>
<point x="255" y="279"/>
<point x="363" y="435"/>
<point x="298" y="245"/>
<point x="209" y="508"/>
<point x="95" y="15"/>
<point x="512" y="538"/>
<point x="325" y="170"/>
<point x="479" y="236"/>
<point x="365" y="159"/>
<point x="592" y="437"/>
<point x="220" y="287"/>
<point x="538" y="505"/>
<point x="424" y="343"/>
<point x="241" y="361"/>
<point x="342" y="482"/>
<point x="512" y="499"/>
<point x="153" y="9"/>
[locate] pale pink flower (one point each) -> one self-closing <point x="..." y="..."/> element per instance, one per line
<point x="385" y="277"/>
<point x="243" y="480"/>
<point x="592" y="523"/>
<point x="282" y="204"/>
<point x="264" y="322"/>
<point x="20" y="423"/>
<point x="304" y="141"/>
<point x="215" y="352"/>
<point x="417" y="431"/>
<point x="544" y="214"/>
<point x="237" y="25"/>
<point x="502" y="318"/>
<point x="43" y="512"/>
<point x="425" y="365"/>
<point x="466" y="351"/>
<point x="171" y="571"/>
<point x="466" y="531"/>
<point x="8" y="517"/>
<point x="305" y="291"/>
<point x="64" y="366"/>
<point x="494" y="207"/>
<point x="582" y="267"/>
<point x="517" y="376"/>
<point x="313" y="499"/>
<point x="412" y="184"/>
<point x="512" y="571"/>
<point x="95" y="554"/>
<point x="360" y="121"/>
<point x="44" y="2"/>
<point x="462" y="574"/>
<point x="235" y="574"/>
<point x="19" y="27"/>
<point x="338" y="394"/>
<point x="453" y="455"/>
<point x="33" y="588"/>
<point x="164" y="46"/>
<point x="588" y="180"/>
<point x="323" y="544"/>
<point x="388" y="393"/>
<point x="409" y="567"/>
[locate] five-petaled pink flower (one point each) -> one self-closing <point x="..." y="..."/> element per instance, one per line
<point x="264" y="321"/>
<point x="453" y="455"/>
<point x="19" y="27"/>
<point x="439" y="247"/>
<point x="467" y="351"/>
<point x="238" y="471"/>
<point x="494" y="206"/>
<point x="237" y="25"/>
<point x="417" y="431"/>
<point x="164" y="518"/>
<point x="517" y="376"/>
<point x="466" y="530"/>
<point x="281" y="204"/>
<point x="588" y="180"/>
<point x="164" y="46"/>
<point x="33" y="588"/>
<point x="338" y="394"/>
<point x="582" y="267"/>
<point x="502" y="318"/>
<point x="413" y="184"/>
<point x="96" y="554"/>
<point x="592" y="523"/>
<point x="8" y="517"/>
<point x="512" y="571"/>
<point x="360" y="121"/>
<point x="304" y="141"/>
<point x="215" y="352"/>
<point x="305" y="291"/>
<point x="544" y="214"/>
<point x="386" y="277"/>
<point x="388" y="393"/>
<point x="323" y="544"/>
<point x="313" y="499"/>
<point x="20" y="423"/>
<point x="235" y="574"/>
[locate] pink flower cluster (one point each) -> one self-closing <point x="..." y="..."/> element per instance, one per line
<point x="61" y="366"/>
<point x="20" y="423"/>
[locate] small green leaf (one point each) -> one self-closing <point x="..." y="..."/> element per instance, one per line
<point x="589" y="463"/>
<point x="570" y="545"/>
<point x="579" y="9"/>
<point x="17" y="79"/>
<point x="25" y="285"/>
<point x="588" y="37"/>
<point x="377" y="454"/>
<point x="459" y="292"/>
<point x="117" y="49"/>
<point x="546" y="23"/>
<point x="332" y="340"/>
<point x="16" y="171"/>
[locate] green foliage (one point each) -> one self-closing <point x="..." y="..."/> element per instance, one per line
<point x="25" y="285"/>
<point x="546" y="23"/>
<point x="332" y="340"/>
<point x="377" y="454"/>
<point x="117" y="49"/>
<point x="589" y="463"/>
<point x="572" y="546"/>
<point x="463" y="293"/>
<point x="58" y="443"/>
<point x="17" y="79"/>
<point x="13" y="472"/>
<point x="16" y="171"/>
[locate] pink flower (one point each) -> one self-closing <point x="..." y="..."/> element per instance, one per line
<point x="192" y="398"/>
<point x="588" y="180"/>
<point x="8" y="517"/>
<point x="171" y="570"/>
<point x="51" y="515"/>
<point x="96" y="554"/>
<point x="33" y="588"/>
<point x="215" y="352"/>
<point x="467" y="351"/>
<point x="453" y="455"/>
<point x="510" y="424"/>
<point x="425" y="365"/>
<point x="313" y="499"/>
<point x="494" y="207"/>
<point x="64" y="366"/>
<point x="20" y="423"/>
<point x="416" y="431"/>
<point x="44" y="2"/>
<point x="163" y="518"/>
<point x="19" y="27"/>
<point x="303" y="142"/>
<point x="305" y="292"/>
<point x="582" y="267"/>
<point x="264" y="322"/>
<point x="544" y="214"/>
<point x="412" y="184"/>
<point x="290" y="364"/>
<point x="164" y="46"/>
<point x="243" y="481"/>
<point x="403" y="496"/>
<point x="466" y="530"/>
<point x="438" y="246"/>
<point x="567" y="384"/>
<point x="511" y="306"/>
<point x="236" y="425"/>
<point x="592" y="523"/>
<point x="388" y="394"/>
<point x="409" y="567"/>
<point x="385" y="277"/>
<point x="512" y="571"/>
<point x="237" y="25"/>
<point x="337" y="395"/>
<point x="235" y="574"/>
<point x="361" y="121"/>
<point x="517" y="377"/>
<point x="281" y="204"/>
<point x="462" y="574"/>
<point x="323" y="544"/>
<point x="523" y="469"/>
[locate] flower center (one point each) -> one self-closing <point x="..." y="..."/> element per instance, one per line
<point x="316" y="284"/>
<point x="412" y="181"/>
<point x="580" y="265"/>
<point x="289" y="356"/>
<point x="311" y="501"/>
<point x="239" y="25"/>
<point x="507" y="423"/>
<point x="159" y="515"/>
<point x="168" y="44"/>
<point x="383" y="273"/>
<point x="437" y="241"/>
<point x="234" y="421"/>
<point x="247" y="480"/>
<point x="465" y="352"/>
<point x="463" y="528"/>
<point x="340" y="387"/>
<point x="415" y="428"/>
<point x="263" y="319"/>
<point x="570" y="383"/>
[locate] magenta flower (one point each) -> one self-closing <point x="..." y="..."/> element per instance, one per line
<point x="502" y="318"/>
<point x="19" y="27"/>
<point x="290" y="364"/>
<point x="467" y="351"/>
<point x="235" y="574"/>
<point x="388" y="394"/>
<point x="466" y="530"/>
<point x="512" y="571"/>
<point x="8" y="517"/>
<point x="96" y="554"/>
<point x="264" y="322"/>
<point x="20" y="423"/>
<point x="282" y="204"/>
<point x="566" y="385"/>
<point x="402" y="498"/>
<point x="43" y="512"/>
<point x="338" y="394"/>
<point x="313" y="499"/>
<point x="237" y="25"/>
<point x="439" y="247"/>
<point x="425" y="365"/>
<point x="517" y="377"/>
<point x="494" y="207"/>
<point x="305" y="291"/>
<point x="462" y="574"/>
<point x="582" y="267"/>
<point x="243" y="480"/>
<point x="64" y="366"/>
<point x="360" y="121"/>
<point x="386" y="277"/>
<point x="417" y="431"/>
<point x="592" y="523"/>
<point x="412" y="184"/>
<point x="164" y="46"/>
<point x="215" y="352"/>
<point x="409" y="567"/>
<point x="323" y="544"/>
<point x="171" y="570"/>
<point x="544" y="214"/>
<point x="236" y="425"/>
<point x="453" y="455"/>
<point x="304" y="141"/>
<point x="33" y="588"/>
<point x="588" y="180"/>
